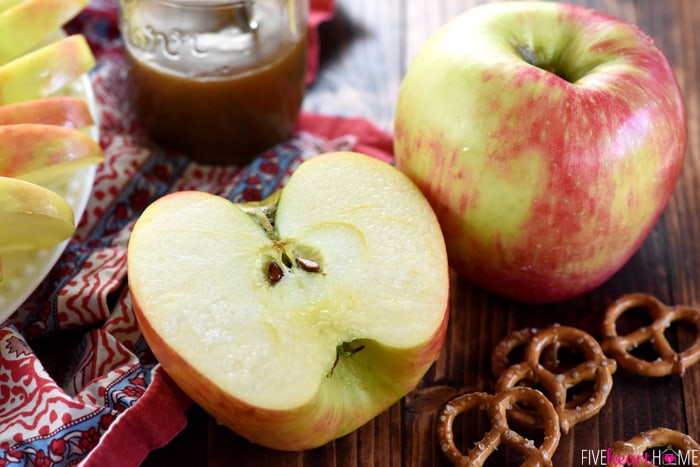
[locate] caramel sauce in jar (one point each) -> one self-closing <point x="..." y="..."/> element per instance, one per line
<point x="221" y="96"/>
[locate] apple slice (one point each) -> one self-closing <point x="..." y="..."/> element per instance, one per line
<point x="45" y="70"/>
<point x="65" y="111"/>
<point x="7" y="4"/>
<point x="295" y="320"/>
<point x="41" y="153"/>
<point x="25" y="24"/>
<point x="32" y="216"/>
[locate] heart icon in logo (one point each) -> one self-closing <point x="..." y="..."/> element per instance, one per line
<point x="668" y="458"/>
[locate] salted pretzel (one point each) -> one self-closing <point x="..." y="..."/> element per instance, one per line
<point x="669" y="361"/>
<point x="497" y="406"/>
<point x="556" y="382"/>
<point x="656" y="438"/>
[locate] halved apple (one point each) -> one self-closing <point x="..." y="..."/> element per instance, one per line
<point x="295" y="320"/>
<point x="25" y="24"/>
<point x="65" y="111"/>
<point x="42" y="153"/>
<point x="32" y="216"/>
<point x="46" y="70"/>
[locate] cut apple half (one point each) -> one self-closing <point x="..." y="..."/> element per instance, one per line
<point x="31" y="216"/>
<point x="297" y="319"/>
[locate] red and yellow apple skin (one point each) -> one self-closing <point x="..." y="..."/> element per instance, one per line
<point x="335" y="412"/>
<point x="65" y="111"/>
<point x="46" y="70"/>
<point x="292" y="361"/>
<point x="27" y="23"/>
<point x="548" y="139"/>
<point x="42" y="153"/>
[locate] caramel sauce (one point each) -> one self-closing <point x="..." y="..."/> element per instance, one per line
<point x="228" y="119"/>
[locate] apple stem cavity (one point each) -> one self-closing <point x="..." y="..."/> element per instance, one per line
<point x="345" y="349"/>
<point x="527" y="53"/>
<point x="553" y="65"/>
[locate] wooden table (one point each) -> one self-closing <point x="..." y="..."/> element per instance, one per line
<point x="366" y="50"/>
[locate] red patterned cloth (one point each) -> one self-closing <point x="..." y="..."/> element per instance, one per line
<point x="77" y="381"/>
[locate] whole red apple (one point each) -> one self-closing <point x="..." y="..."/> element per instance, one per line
<point x="548" y="139"/>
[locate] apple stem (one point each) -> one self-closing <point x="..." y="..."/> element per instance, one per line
<point x="346" y="350"/>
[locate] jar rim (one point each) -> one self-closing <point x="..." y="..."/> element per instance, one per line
<point x="207" y="3"/>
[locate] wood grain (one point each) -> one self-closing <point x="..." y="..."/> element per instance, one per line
<point x="366" y="50"/>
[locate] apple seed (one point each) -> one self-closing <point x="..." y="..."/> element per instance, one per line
<point x="274" y="272"/>
<point x="308" y="265"/>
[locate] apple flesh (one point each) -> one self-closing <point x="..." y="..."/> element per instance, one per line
<point x="32" y="217"/>
<point x="42" y="153"/>
<point x="295" y="320"/>
<point x="547" y="137"/>
<point x="26" y="24"/>
<point x="46" y="70"/>
<point x="65" y="111"/>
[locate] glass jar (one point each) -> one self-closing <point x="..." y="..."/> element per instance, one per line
<point x="219" y="80"/>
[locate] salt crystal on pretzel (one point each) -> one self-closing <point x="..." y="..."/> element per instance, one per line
<point x="557" y="382"/>
<point x="669" y="361"/>
<point x="497" y="407"/>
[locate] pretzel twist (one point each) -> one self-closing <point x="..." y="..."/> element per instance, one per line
<point x="556" y="382"/>
<point x="496" y="407"/>
<point x="669" y="361"/>
<point x="656" y="438"/>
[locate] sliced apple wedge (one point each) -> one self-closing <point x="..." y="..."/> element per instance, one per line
<point x="7" y="4"/>
<point x="25" y="24"/>
<point x="32" y="216"/>
<point x="42" y="153"/>
<point x="44" y="71"/>
<point x="65" y="111"/>
<point x="296" y="320"/>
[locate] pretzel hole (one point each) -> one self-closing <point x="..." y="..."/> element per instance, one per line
<point x="535" y="434"/>
<point x="645" y="351"/>
<point x="525" y="418"/>
<point x="559" y="358"/>
<point x="515" y="356"/>
<point x="580" y="394"/>
<point x="469" y="428"/>
<point x="632" y="319"/>
<point x="681" y="334"/>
